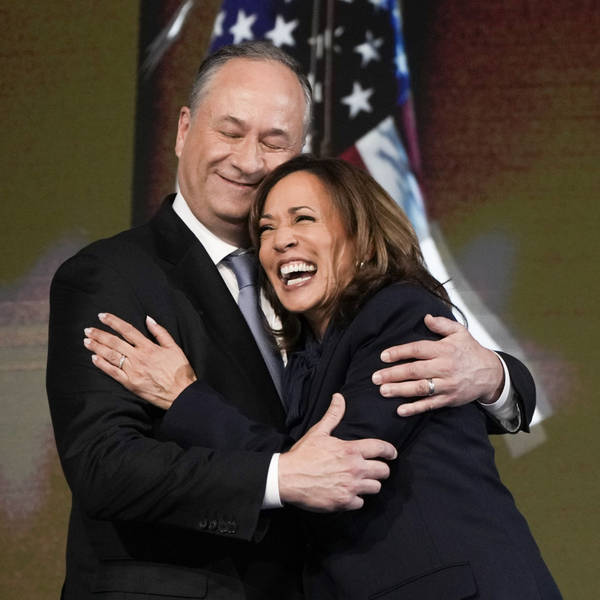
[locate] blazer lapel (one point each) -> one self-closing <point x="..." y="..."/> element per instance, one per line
<point x="316" y="410"/>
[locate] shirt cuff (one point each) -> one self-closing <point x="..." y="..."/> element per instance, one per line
<point x="506" y="409"/>
<point x="272" y="499"/>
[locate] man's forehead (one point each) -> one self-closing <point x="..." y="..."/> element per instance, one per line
<point x="255" y="93"/>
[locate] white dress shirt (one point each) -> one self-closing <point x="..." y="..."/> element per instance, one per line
<point x="505" y="409"/>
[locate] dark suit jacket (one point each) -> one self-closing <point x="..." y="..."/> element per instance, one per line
<point x="149" y="517"/>
<point x="443" y="525"/>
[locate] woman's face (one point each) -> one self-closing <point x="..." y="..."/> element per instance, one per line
<point x="304" y="248"/>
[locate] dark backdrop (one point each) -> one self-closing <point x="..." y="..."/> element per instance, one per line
<point x="507" y="98"/>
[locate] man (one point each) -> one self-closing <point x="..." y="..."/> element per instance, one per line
<point x="152" y="518"/>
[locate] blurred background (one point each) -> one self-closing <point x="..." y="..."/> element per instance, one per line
<point x="506" y="100"/>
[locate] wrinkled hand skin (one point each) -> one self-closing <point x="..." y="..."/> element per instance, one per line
<point x="321" y="473"/>
<point x="462" y="370"/>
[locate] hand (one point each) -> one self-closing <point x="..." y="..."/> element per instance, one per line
<point x="322" y="473"/>
<point x="157" y="373"/>
<point x="461" y="370"/>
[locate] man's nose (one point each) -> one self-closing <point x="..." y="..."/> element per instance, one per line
<point x="248" y="157"/>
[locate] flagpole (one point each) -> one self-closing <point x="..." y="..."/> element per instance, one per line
<point x="314" y="51"/>
<point x="326" y="141"/>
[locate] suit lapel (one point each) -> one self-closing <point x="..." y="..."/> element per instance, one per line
<point x="194" y="273"/>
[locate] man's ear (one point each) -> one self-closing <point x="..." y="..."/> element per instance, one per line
<point x="183" y="126"/>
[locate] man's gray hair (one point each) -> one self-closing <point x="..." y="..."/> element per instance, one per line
<point x="261" y="51"/>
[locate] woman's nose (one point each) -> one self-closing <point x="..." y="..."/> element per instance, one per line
<point x="284" y="239"/>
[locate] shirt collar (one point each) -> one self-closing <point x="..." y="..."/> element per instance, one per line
<point x="216" y="248"/>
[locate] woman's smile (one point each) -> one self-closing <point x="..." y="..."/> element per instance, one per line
<point x="305" y="249"/>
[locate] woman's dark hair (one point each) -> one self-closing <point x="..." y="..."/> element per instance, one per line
<point x="387" y="248"/>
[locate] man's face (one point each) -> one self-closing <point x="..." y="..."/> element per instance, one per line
<point x="249" y="121"/>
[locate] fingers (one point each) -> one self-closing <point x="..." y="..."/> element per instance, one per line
<point x="442" y="326"/>
<point x="110" y="369"/>
<point x="163" y="337"/>
<point x="414" y="371"/>
<point x="107" y="346"/>
<point x="372" y="448"/>
<point x="422" y="406"/>
<point x="426" y="349"/>
<point x="423" y="349"/>
<point x="419" y="387"/>
<point x="331" y="419"/>
<point x="128" y="331"/>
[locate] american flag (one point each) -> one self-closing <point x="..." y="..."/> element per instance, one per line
<point x="353" y="52"/>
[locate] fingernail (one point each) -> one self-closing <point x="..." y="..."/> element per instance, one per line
<point x="94" y="358"/>
<point x="87" y="331"/>
<point x="402" y="411"/>
<point x="385" y="356"/>
<point x="149" y="319"/>
<point x="384" y="390"/>
<point x="376" y="379"/>
<point x="102" y="316"/>
<point x="87" y="342"/>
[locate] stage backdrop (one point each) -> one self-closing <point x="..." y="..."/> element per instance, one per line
<point x="506" y="102"/>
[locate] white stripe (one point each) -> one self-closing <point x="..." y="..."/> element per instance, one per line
<point x="383" y="154"/>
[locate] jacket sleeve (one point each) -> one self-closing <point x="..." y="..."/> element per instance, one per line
<point x="200" y="416"/>
<point x="525" y="395"/>
<point x="106" y="437"/>
<point x="394" y="316"/>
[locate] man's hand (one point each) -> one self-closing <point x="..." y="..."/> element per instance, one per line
<point x="322" y="473"/>
<point x="460" y="369"/>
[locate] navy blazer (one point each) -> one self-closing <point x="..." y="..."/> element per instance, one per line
<point x="443" y="525"/>
<point x="150" y="517"/>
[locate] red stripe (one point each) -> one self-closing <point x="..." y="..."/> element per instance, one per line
<point x="352" y="155"/>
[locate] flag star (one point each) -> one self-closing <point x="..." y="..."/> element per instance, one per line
<point x="368" y="49"/>
<point x="282" y="32"/>
<point x="358" y="100"/>
<point x="242" y="30"/>
<point x="218" y="28"/>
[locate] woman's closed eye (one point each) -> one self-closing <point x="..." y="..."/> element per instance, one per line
<point x="304" y="218"/>
<point x="263" y="228"/>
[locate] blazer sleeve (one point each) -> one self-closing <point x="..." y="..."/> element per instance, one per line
<point x="394" y="316"/>
<point x="404" y="323"/>
<point x="106" y="437"/>
<point x="523" y="387"/>
<point x="200" y="416"/>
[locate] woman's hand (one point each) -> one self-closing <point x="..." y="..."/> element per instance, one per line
<point x="157" y="373"/>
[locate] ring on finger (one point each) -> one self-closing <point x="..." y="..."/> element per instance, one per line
<point x="121" y="361"/>
<point x="431" y="390"/>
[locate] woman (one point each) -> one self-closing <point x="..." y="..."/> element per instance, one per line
<point x="343" y="270"/>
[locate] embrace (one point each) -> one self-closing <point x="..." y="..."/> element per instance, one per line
<point x="199" y="467"/>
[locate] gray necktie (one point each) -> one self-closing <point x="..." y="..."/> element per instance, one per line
<point x="245" y="267"/>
